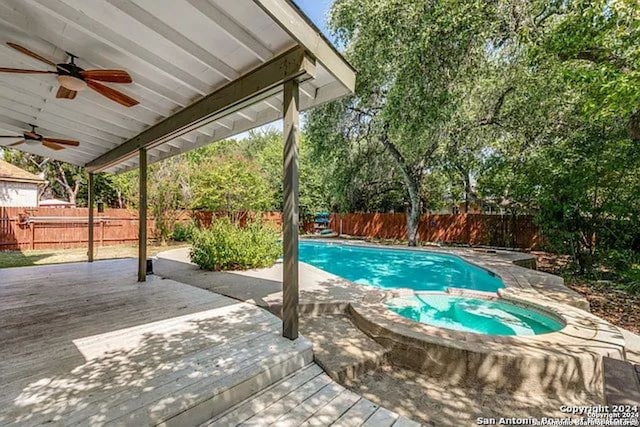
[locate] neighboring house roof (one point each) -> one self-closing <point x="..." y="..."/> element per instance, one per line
<point x="55" y="202"/>
<point x="12" y="173"/>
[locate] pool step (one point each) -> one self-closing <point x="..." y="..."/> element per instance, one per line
<point x="340" y="348"/>
<point x="621" y="382"/>
<point x="308" y="398"/>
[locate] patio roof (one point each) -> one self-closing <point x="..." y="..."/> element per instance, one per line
<point x="203" y="70"/>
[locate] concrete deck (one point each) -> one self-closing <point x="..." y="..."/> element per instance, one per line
<point x="574" y="355"/>
<point x="318" y="288"/>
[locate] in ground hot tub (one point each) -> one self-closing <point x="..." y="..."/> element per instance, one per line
<point x="490" y="316"/>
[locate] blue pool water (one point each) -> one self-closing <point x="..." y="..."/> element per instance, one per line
<point x="477" y="315"/>
<point x="398" y="268"/>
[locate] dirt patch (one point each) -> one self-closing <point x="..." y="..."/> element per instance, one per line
<point x="614" y="305"/>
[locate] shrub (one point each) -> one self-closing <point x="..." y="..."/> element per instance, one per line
<point x="228" y="246"/>
<point x="183" y="232"/>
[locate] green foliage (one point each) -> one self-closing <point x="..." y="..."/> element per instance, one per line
<point x="168" y="194"/>
<point x="250" y="175"/>
<point x="183" y="232"/>
<point x="622" y="267"/>
<point x="230" y="184"/>
<point x="229" y="246"/>
<point x="430" y="91"/>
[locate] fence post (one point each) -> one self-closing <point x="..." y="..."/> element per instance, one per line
<point x="32" y="228"/>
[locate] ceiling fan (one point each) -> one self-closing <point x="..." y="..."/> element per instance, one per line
<point x="73" y="79"/>
<point x="32" y="136"/>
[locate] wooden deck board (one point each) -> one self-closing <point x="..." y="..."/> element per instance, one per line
<point x="87" y="344"/>
<point x="308" y="398"/>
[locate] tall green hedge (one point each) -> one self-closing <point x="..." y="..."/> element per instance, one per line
<point x="229" y="246"/>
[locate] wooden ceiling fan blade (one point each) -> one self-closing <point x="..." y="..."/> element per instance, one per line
<point x="23" y="71"/>
<point x="16" y="143"/>
<point x="111" y="76"/>
<point x="62" y="141"/>
<point x="10" y="136"/>
<point x="31" y="53"/>
<point x="112" y="94"/>
<point x="65" y="93"/>
<point x="52" y="145"/>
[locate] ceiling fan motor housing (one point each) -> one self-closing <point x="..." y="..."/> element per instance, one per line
<point x="69" y="76"/>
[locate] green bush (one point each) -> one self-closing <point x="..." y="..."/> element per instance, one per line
<point x="228" y="246"/>
<point x="183" y="232"/>
<point x="619" y="260"/>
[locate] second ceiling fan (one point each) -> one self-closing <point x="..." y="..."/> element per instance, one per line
<point x="31" y="136"/>
<point x="73" y="79"/>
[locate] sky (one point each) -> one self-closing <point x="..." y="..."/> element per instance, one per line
<point x="317" y="11"/>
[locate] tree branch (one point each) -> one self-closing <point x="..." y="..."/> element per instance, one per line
<point x="493" y="118"/>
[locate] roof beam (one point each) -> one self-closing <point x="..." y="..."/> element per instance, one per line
<point x="247" y="114"/>
<point x="294" y="22"/>
<point x="259" y="84"/>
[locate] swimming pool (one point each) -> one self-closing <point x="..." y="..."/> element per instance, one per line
<point x="493" y="317"/>
<point x="398" y="268"/>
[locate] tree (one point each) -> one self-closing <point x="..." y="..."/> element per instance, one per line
<point x="169" y="194"/>
<point x="597" y="43"/>
<point x="262" y="151"/>
<point x="414" y="59"/>
<point x="572" y="150"/>
<point x="229" y="184"/>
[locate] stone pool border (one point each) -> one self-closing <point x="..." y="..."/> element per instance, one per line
<point x="561" y="362"/>
<point x="516" y="269"/>
<point x="565" y="361"/>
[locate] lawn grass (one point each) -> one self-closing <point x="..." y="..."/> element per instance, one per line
<point x="10" y="259"/>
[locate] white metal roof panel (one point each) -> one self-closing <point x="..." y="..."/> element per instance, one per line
<point x="177" y="51"/>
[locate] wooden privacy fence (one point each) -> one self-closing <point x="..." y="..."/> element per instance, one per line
<point x="60" y="228"/>
<point x="473" y="229"/>
<point x="57" y="228"/>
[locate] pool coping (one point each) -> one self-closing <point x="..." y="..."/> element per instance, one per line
<point x="516" y="269"/>
<point x="579" y="346"/>
<point x="574" y="352"/>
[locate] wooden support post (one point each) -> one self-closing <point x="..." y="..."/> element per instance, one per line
<point x="142" y="217"/>
<point x="290" y="212"/>
<point x="92" y="201"/>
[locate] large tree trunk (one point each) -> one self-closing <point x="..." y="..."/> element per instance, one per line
<point x="467" y="192"/>
<point x="413" y="221"/>
<point x="412" y="182"/>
